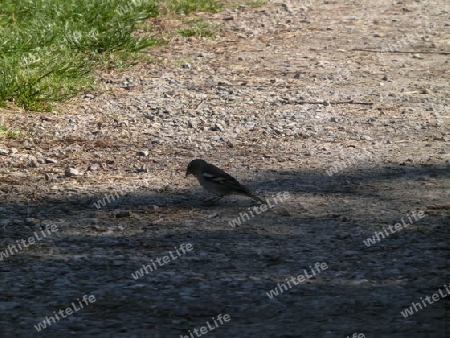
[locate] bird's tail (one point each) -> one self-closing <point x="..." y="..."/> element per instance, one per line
<point x="256" y="198"/>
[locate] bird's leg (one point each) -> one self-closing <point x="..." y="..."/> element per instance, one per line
<point x="213" y="200"/>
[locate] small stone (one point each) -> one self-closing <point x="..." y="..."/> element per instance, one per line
<point x="417" y="56"/>
<point x="122" y="214"/>
<point x="94" y="166"/>
<point x="217" y="127"/>
<point x="71" y="172"/>
<point x="4" y="223"/>
<point x="142" y="153"/>
<point x="285" y="213"/>
<point x="192" y="124"/>
<point x="143" y="169"/>
<point x="277" y="131"/>
<point x="358" y="282"/>
<point x="343" y="235"/>
<point x="50" y="160"/>
<point x="4" y="152"/>
<point x="12" y="150"/>
<point x="31" y="222"/>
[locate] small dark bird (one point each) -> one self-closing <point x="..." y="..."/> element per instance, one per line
<point x="217" y="181"/>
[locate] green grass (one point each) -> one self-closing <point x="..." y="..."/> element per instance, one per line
<point x="9" y="133"/>
<point x="255" y="3"/>
<point x="197" y="27"/>
<point x="248" y="3"/>
<point x="48" y="48"/>
<point x="184" y="7"/>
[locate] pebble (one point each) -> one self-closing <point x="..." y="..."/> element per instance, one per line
<point x="94" y="167"/>
<point x="142" y="153"/>
<point x="143" y="168"/>
<point x="31" y="222"/>
<point x="50" y="160"/>
<point x="122" y="214"/>
<point x="70" y="172"/>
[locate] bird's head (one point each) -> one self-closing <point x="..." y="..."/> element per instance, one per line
<point x="194" y="167"/>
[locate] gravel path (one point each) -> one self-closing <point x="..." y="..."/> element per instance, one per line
<point x="292" y="97"/>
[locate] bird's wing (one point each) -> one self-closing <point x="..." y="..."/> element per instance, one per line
<point x="226" y="180"/>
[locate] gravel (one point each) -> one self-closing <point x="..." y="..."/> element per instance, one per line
<point x="289" y="97"/>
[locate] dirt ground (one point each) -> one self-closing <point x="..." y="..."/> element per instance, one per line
<point x="341" y="105"/>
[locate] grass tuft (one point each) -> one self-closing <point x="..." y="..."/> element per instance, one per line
<point x="184" y="7"/>
<point x="48" y="47"/>
<point x="197" y="27"/>
<point x="9" y="133"/>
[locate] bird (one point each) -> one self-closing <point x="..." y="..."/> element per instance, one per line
<point x="217" y="181"/>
